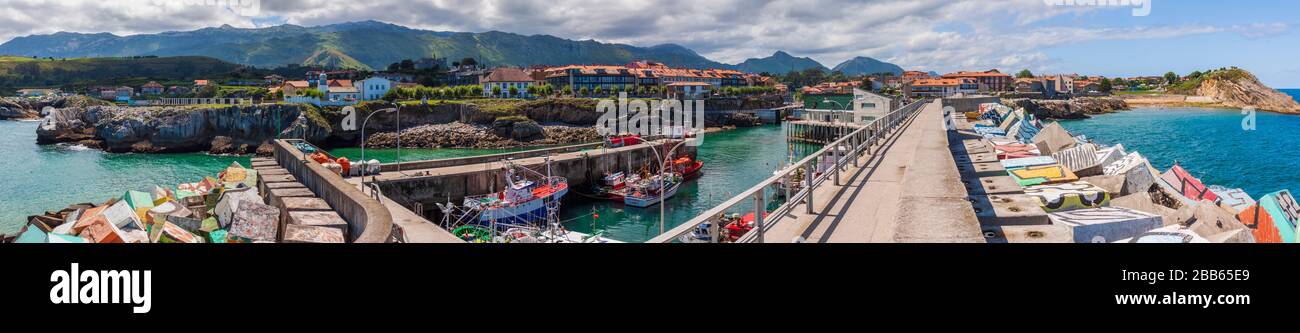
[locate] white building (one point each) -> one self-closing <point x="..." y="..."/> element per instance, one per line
<point x="869" y="106"/>
<point x="374" y="88"/>
<point x="505" y="78"/>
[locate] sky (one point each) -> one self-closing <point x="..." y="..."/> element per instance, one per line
<point x="1150" y="37"/>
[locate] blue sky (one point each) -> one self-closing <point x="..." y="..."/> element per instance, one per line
<point x="1256" y="35"/>
<point x="929" y="35"/>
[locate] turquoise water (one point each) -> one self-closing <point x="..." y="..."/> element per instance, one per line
<point x="734" y="161"/>
<point x="34" y="179"/>
<point x="1209" y="143"/>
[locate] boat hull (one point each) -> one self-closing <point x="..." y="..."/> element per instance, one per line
<point x="522" y="214"/>
<point x="647" y="201"/>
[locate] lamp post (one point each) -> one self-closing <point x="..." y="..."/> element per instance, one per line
<point x="363" y="144"/>
<point x="661" y="180"/>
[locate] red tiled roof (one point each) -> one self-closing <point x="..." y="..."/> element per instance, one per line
<point x="508" y="74"/>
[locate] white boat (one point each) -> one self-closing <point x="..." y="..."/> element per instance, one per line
<point x="647" y="193"/>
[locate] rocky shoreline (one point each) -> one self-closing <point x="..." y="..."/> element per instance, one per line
<point x="1076" y="108"/>
<point x="462" y="135"/>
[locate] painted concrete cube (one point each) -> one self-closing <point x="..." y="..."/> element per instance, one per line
<point x="255" y="221"/>
<point x="1027" y="162"/>
<point x="1187" y="185"/>
<point x="1173" y="234"/>
<point x="1274" y="218"/>
<point x="1069" y="196"/>
<point x="1106" y="224"/>
<point x="1042" y="174"/>
<point x="1082" y="159"/>
<point x="1136" y="170"/>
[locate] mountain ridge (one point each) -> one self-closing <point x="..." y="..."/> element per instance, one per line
<point x="373" y="45"/>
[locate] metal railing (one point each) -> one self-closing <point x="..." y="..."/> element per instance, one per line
<point x="848" y="149"/>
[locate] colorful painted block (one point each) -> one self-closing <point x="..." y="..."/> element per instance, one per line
<point x="32" y="236"/>
<point x="1015" y="150"/>
<point x="1106" y="224"/>
<point x="1014" y="163"/>
<point x="1028" y="130"/>
<point x="988" y="131"/>
<point x="1081" y="159"/>
<point x="1106" y="156"/>
<point x="1173" y="234"/>
<point x="121" y="215"/>
<point x="1136" y="170"/>
<point x="1010" y="120"/>
<point x="229" y="203"/>
<point x="1042" y="174"/>
<point x="99" y="230"/>
<point x="1261" y="224"/>
<point x="255" y="221"/>
<point x="65" y="239"/>
<point x="1236" y="198"/>
<point x="138" y="200"/>
<point x="1285" y="213"/>
<point x="1069" y="196"/>
<point x="1052" y="139"/>
<point x="217" y="237"/>
<point x="311" y="234"/>
<point x="190" y="224"/>
<point x="171" y="233"/>
<point x="1187" y="185"/>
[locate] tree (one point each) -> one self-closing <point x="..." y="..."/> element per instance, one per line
<point x="496" y="91"/>
<point x="1024" y="74"/>
<point x="1105" y="86"/>
<point x="640" y="91"/>
<point x="532" y="90"/>
<point x="583" y="91"/>
<point x="597" y="91"/>
<point x="1194" y="75"/>
<point x="514" y="91"/>
<point x="1171" y="78"/>
<point x="469" y="62"/>
<point x="407" y="65"/>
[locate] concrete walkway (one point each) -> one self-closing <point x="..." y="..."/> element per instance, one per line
<point x="888" y="198"/>
<point x="415" y="228"/>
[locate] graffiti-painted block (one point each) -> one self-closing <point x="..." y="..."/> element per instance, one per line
<point x="121" y="215"/>
<point x="1173" y="234"/>
<point x="1136" y="171"/>
<point x="99" y="230"/>
<point x="1000" y="210"/>
<point x="1236" y="198"/>
<point x="171" y="233"/>
<point x="229" y="203"/>
<point x="1187" y="185"/>
<point x="1261" y="224"/>
<point x="1069" y="196"/>
<point x="1015" y="150"/>
<point x="987" y="131"/>
<point x="1106" y="224"/>
<point x="1284" y="212"/>
<point x="311" y="234"/>
<point x="1042" y="174"/>
<point x="1081" y="159"/>
<point x="1028" y="130"/>
<point x="255" y="221"/>
<point x="992" y="185"/>
<point x="1028" y="161"/>
<point x="1053" y="138"/>
<point x="1108" y="155"/>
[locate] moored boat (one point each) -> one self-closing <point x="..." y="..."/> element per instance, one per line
<point x="648" y="192"/>
<point x="524" y="202"/>
<point x="688" y="168"/>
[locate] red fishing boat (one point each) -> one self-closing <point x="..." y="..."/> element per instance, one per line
<point x="624" y="140"/>
<point x="688" y="168"/>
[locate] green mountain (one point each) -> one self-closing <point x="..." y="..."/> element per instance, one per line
<point x="779" y="63"/>
<point x="23" y="72"/>
<point x="361" y="45"/>
<point x="865" y="65"/>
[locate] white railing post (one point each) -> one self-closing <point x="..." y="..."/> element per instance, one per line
<point x="809" y="174"/>
<point x="759" y="210"/>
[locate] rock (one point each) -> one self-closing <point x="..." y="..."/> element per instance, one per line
<point x="1077" y="108"/>
<point x="1114" y="184"/>
<point x="1238" y="88"/>
<point x="1211" y="221"/>
<point x="178" y="128"/>
<point x="1142" y="202"/>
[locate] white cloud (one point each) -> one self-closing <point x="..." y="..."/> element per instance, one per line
<point x="938" y="35"/>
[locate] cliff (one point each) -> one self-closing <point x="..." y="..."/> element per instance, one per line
<point x="1230" y="88"/>
<point x="30" y="108"/>
<point x="1076" y="108"/>
<point x="232" y="129"/>
<point x="1237" y="88"/>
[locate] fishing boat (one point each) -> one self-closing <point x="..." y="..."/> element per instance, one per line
<point x="649" y="191"/>
<point x="554" y="234"/>
<point x="623" y="140"/>
<point x="700" y="234"/>
<point x="614" y="186"/>
<point x="688" y="168"/>
<point x="524" y="201"/>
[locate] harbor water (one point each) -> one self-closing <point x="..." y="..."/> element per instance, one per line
<point x="36" y="178"/>
<point x="1209" y="143"/>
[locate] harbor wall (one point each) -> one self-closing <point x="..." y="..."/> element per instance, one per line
<point x="969" y="104"/>
<point x="368" y="220"/>
<point x="583" y="170"/>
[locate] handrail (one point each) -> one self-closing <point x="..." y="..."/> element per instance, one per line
<point x="861" y="139"/>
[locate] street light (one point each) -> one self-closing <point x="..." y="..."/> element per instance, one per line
<point x="661" y="179"/>
<point x="363" y="144"/>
